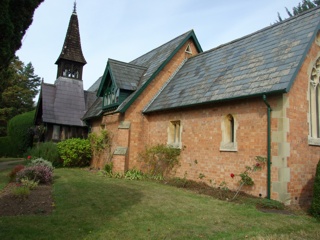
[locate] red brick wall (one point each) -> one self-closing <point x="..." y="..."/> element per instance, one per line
<point x="303" y="157"/>
<point x="139" y="130"/>
<point x="201" y="137"/>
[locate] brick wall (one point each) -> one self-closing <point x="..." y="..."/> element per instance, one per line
<point x="303" y="157"/>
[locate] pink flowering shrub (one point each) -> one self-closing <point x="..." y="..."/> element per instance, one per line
<point x="43" y="174"/>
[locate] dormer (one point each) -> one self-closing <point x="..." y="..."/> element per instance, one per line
<point x="118" y="82"/>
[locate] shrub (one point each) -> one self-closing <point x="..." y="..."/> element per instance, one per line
<point x="315" y="204"/>
<point x="108" y="167"/>
<point x="15" y="170"/>
<point x="46" y="150"/>
<point x="75" y="152"/>
<point x="19" y="132"/>
<point x="31" y="184"/>
<point x="134" y="174"/>
<point x="41" y="162"/>
<point x="42" y="174"/>
<point x="6" y="147"/>
<point x="21" y="191"/>
<point x="159" y="159"/>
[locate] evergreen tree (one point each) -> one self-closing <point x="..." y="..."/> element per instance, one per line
<point x="302" y="7"/>
<point x="19" y="86"/>
<point x="15" y="18"/>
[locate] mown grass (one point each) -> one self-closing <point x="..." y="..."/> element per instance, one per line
<point x="88" y="206"/>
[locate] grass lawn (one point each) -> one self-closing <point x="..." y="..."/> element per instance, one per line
<point x="88" y="206"/>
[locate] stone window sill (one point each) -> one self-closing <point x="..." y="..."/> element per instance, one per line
<point x="314" y="141"/>
<point x="229" y="147"/>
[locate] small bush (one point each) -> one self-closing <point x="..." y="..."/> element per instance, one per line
<point x="108" y="167"/>
<point x="15" y="170"/>
<point x="134" y="174"/>
<point x="41" y="162"/>
<point x="21" y="191"/>
<point x="42" y="174"/>
<point x="159" y="159"/>
<point x="31" y="184"/>
<point x="46" y="150"/>
<point x="75" y="152"/>
<point x="315" y="204"/>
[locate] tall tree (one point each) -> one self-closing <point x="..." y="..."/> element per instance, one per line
<point x="15" y="18"/>
<point x="17" y="92"/>
<point x="302" y="7"/>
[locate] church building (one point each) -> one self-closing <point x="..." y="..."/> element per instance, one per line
<point x="258" y="95"/>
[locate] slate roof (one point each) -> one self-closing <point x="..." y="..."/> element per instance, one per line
<point x="154" y="61"/>
<point x="71" y="49"/>
<point x="125" y="75"/>
<point x="264" y="62"/>
<point x="139" y="71"/>
<point x="64" y="102"/>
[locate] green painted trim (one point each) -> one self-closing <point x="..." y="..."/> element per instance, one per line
<point x="192" y="36"/>
<point x="294" y="76"/>
<point x="99" y="92"/>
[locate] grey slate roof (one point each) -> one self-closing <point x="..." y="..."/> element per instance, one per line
<point x="138" y="71"/>
<point x="126" y="75"/>
<point x="154" y="61"/>
<point x="64" y="102"/>
<point x="264" y="62"/>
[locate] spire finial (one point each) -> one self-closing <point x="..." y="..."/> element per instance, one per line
<point x="75" y="7"/>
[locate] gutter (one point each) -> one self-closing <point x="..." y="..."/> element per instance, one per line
<point x="264" y="97"/>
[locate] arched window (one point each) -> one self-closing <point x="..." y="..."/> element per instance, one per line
<point x="228" y="127"/>
<point x="314" y="101"/>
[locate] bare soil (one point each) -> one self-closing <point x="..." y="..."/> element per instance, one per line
<point x="38" y="202"/>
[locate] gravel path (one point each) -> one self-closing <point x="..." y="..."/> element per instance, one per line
<point x="9" y="164"/>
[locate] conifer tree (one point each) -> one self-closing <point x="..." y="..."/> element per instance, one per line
<point x="302" y="7"/>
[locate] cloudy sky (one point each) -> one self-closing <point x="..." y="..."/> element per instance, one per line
<point x="126" y="29"/>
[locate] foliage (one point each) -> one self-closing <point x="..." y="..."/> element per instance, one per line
<point x="17" y="94"/>
<point x="21" y="191"/>
<point x="46" y="150"/>
<point x="42" y="174"/>
<point x="245" y="178"/>
<point x="31" y="184"/>
<point x="19" y="132"/>
<point x="100" y="142"/>
<point x="108" y="167"/>
<point x="14" y="171"/>
<point x="75" y="152"/>
<point x="315" y="204"/>
<point x="15" y="18"/>
<point x="41" y="162"/>
<point x="6" y="147"/>
<point x="159" y="159"/>
<point x="134" y="174"/>
<point x="302" y="7"/>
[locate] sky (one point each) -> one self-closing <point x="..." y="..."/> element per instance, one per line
<point x="126" y="29"/>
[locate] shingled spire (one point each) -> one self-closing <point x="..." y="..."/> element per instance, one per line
<point x="71" y="60"/>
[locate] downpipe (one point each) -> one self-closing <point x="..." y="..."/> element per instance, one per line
<point x="264" y="97"/>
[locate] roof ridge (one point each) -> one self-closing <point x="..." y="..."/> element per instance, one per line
<point x="125" y="63"/>
<point x="186" y="33"/>
<point x="258" y="31"/>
